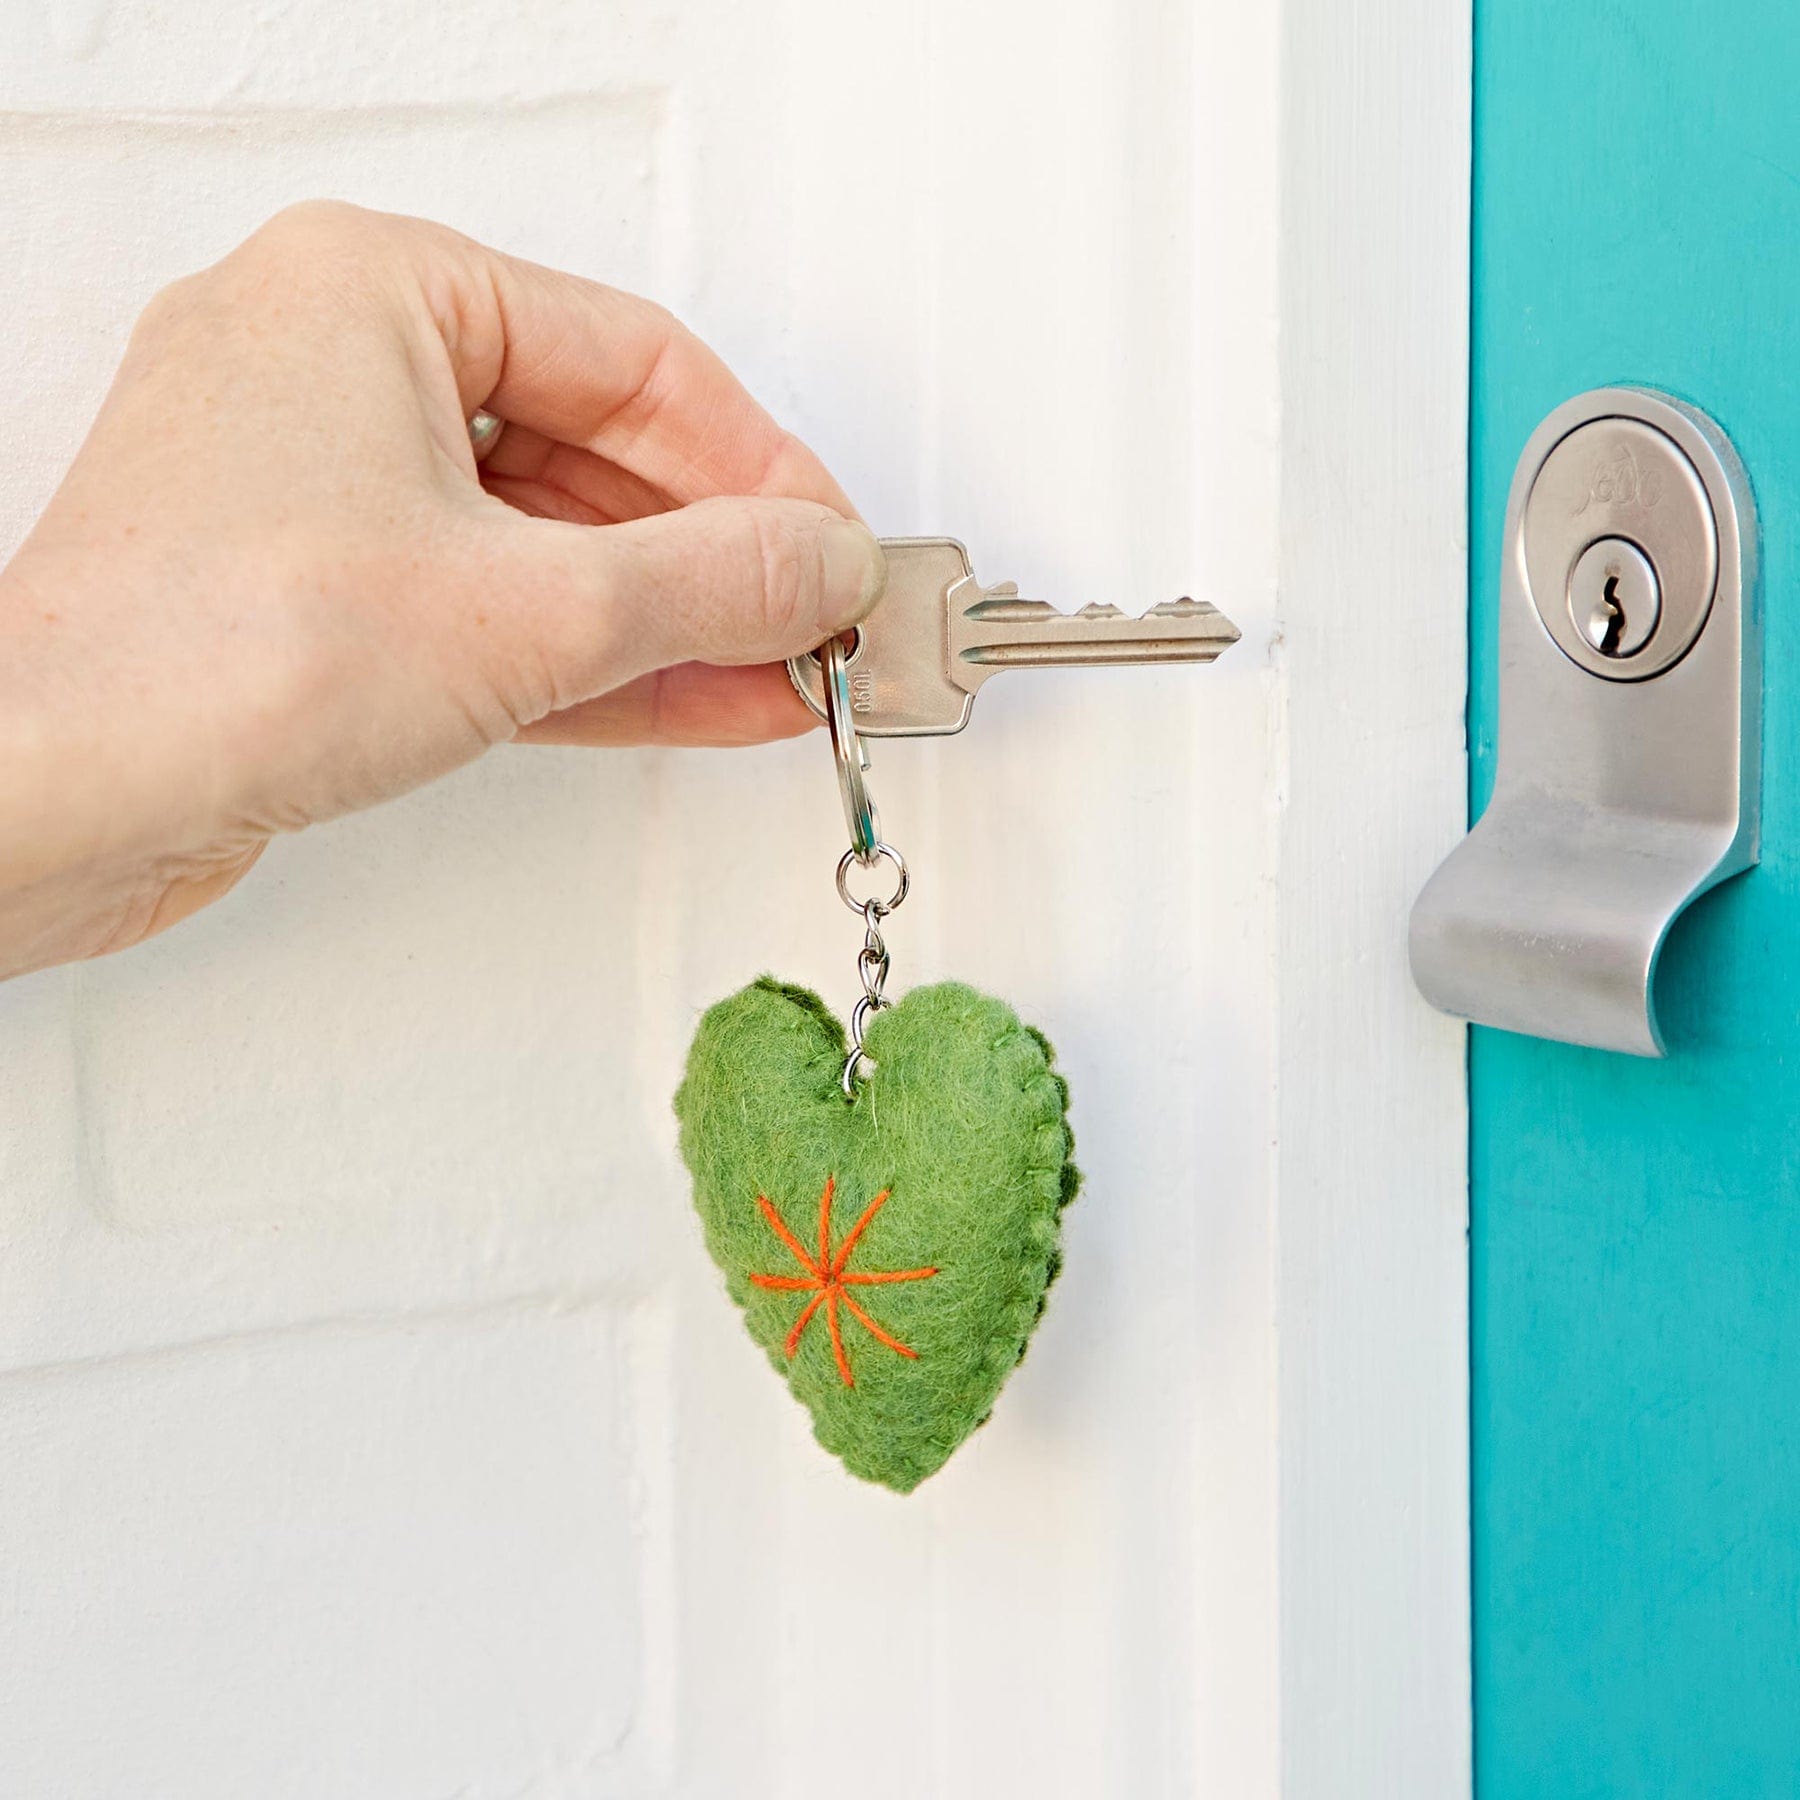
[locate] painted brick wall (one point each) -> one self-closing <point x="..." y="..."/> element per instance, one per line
<point x="372" y="1422"/>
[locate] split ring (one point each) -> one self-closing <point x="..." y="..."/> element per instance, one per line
<point x="852" y="758"/>
<point x="881" y="852"/>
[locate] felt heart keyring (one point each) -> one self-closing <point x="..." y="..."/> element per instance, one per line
<point x="886" y="1207"/>
<point x="891" y="1249"/>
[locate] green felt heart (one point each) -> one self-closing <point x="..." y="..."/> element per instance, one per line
<point x="890" y="1252"/>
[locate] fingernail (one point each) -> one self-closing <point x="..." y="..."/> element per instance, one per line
<point x="855" y="573"/>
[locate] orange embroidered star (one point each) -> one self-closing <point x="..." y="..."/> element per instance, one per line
<point x="829" y="1280"/>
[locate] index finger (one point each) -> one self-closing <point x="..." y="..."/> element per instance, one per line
<point x="622" y="378"/>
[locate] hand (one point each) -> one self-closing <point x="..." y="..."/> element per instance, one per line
<point x="274" y="587"/>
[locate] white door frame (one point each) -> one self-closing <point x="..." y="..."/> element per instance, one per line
<point x="1371" y="1143"/>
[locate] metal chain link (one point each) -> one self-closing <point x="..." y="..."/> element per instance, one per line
<point x="866" y="851"/>
<point x="873" y="959"/>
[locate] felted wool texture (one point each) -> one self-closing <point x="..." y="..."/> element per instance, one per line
<point x="964" y="1122"/>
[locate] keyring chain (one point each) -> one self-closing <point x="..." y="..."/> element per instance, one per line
<point x="867" y="848"/>
<point x="874" y="959"/>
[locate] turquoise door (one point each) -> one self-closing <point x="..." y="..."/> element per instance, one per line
<point x="1635" y="1224"/>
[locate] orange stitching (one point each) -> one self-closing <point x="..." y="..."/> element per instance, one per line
<point x="786" y="1236"/>
<point x="825" y="1224"/>
<point x="856" y="1231"/>
<point x="827" y="1280"/>
<point x="875" y="1331"/>
<point x="812" y="1306"/>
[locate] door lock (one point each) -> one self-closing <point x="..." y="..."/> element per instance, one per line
<point x="1628" y="779"/>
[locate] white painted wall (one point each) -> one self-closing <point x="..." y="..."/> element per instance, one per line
<point x="372" y="1422"/>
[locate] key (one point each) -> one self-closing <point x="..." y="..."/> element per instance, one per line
<point x="937" y="634"/>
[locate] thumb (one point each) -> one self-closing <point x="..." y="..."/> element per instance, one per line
<point x="724" y="581"/>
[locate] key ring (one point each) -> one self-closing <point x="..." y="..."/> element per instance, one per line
<point x="484" y="432"/>
<point x="847" y="747"/>
<point x="874" y="910"/>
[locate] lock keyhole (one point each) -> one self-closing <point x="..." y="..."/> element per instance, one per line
<point x="1615" y="599"/>
<point x="1615" y="625"/>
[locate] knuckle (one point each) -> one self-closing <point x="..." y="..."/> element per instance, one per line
<point x="310" y="247"/>
<point x="308" y="225"/>
<point x="168" y="308"/>
<point x="787" y="551"/>
<point x="667" y="325"/>
<point x="557" y="640"/>
<point x="319" y="247"/>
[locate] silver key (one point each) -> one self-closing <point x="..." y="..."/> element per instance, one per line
<point x="937" y="634"/>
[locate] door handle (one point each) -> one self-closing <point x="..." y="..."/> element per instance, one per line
<point x="1629" y="778"/>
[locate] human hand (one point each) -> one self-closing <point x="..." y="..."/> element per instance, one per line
<point x="274" y="587"/>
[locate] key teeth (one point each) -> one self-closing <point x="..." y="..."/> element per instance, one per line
<point x="1007" y="606"/>
<point x="1001" y="604"/>
<point x="1189" y="608"/>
